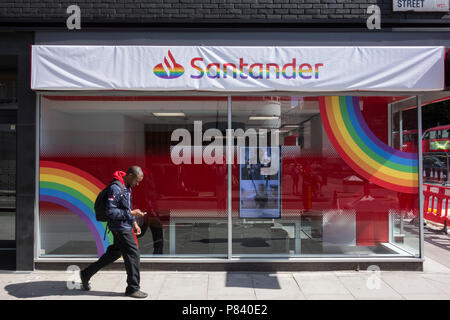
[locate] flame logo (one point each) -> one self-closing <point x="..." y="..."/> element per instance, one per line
<point x="168" y="70"/>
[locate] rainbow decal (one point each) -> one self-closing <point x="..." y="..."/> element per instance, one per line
<point x="216" y="67"/>
<point x="277" y="70"/>
<point x="171" y="71"/>
<point x="259" y="74"/>
<point x="225" y="69"/>
<point x="284" y="72"/>
<point x="75" y="190"/>
<point x="362" y="151"/>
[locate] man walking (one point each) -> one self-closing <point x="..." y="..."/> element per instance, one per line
<point x="121" y="221"/>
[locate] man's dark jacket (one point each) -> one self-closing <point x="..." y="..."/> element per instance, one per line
<point x="119" y="205"/>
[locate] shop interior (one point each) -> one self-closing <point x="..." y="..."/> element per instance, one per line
<point x="315" y="204"/>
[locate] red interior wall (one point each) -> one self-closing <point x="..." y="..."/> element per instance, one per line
<point x="373" y="226"/>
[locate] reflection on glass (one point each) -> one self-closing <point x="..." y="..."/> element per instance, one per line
<point x="331" y="204"/>
<point x="310" y="175"/>
<point x="84" y="141"/>
<point x="404" y="218"/>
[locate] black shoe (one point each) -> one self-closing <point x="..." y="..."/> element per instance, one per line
<point x="137" y="294"/>
<point x="84" y="282"/>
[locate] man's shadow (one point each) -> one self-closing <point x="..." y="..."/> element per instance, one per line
<point x="39" y="289"/>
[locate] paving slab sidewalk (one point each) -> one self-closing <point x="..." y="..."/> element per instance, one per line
<point x="432" y="283"/>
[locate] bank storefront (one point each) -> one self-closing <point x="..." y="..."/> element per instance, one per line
<point x="249" y="153"/>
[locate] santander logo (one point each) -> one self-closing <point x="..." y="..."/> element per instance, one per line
<point x="168" y="70"/>
<point x="241" y="69"/>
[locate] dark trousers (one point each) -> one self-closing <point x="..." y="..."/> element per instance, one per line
<point x="158" y="241"/>
<point x="124" y="245"/>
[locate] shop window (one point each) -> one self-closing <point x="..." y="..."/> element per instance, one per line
<point x="310" y="175"/>
<point x="333" y="193"/>
<point x="84" y="140"/>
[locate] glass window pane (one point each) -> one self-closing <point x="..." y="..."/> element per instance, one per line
<point x="332" y="187"/>
<point x="404" y="219"/>
<point x="84" y="140"/>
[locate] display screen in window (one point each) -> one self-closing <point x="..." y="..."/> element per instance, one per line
<point x="259" y="183"/>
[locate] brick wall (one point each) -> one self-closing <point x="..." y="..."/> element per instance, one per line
<point x="218" y="11"/>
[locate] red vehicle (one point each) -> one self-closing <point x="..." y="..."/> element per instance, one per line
<point x="436" y="139"/>
<point x="409" y="143"/>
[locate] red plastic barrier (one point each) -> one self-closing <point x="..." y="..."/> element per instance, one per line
<point x="438" y="210"/>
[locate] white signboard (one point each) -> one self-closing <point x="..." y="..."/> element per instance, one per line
<point x="237" y="69"/>
<point x="421" y="5"/>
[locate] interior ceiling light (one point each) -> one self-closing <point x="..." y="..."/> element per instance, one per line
<point x="169" y="114"/>
<point x="263" y="117"/>
<point x="282" y="131"/>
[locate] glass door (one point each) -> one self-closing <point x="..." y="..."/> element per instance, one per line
<point x="404" y="137"/>
<point x="8" y="121"/>
<point x="7" y="188"/>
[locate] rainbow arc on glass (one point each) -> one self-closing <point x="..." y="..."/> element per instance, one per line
<point x="363" y="151"/>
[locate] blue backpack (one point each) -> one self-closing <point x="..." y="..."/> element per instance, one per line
<point x="100" y="202"/>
